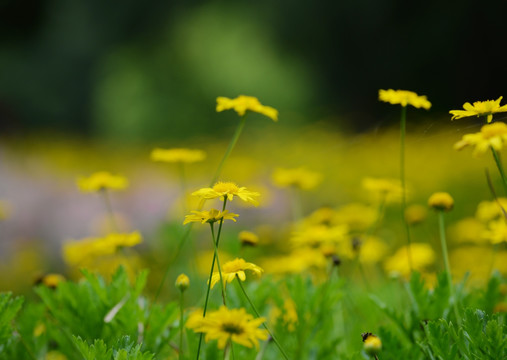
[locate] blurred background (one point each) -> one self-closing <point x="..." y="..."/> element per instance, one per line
<point x="140" y="71"/>
<point x="90" y="85"/>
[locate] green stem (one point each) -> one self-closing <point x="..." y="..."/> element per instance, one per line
<point x="500" y="168"/>
<point x="403" y="125"/>
<point x="215" y="256"/>
<point x="443" y="242"/>
<point x="234" y="139"/>
<point x="109" y="208"/>
<point x="263" y="324"/>
<point x="181" y="325"/>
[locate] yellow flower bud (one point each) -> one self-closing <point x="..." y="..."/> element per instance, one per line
<point x="441" y="201"/>
<point x="182" y="282"/>
<point x="248" y="238"/>
<point x="415" y="214"/>
<point x="371" y="344"/>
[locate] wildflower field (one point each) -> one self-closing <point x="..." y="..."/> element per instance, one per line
<point x="270" y="242"/>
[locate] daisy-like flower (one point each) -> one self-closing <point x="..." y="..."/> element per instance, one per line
<point x="299" y="177"/>
<point x="102" y="180"/>
<point x="384" y="189"/>
<point x="480" y="108"/>
<point x="229" y="190"/>
<point x="422" y="257"/>
<point x="497" y="232"/>
<point x="210" y="216"/>
<point x="248" y="238"/>
<point x="441" y="201"/>
<point x="177" y="155"/>
<point x="491" y="136"/>
<point x="404" y="98"/>
<point x="237" y="325"/>
<point x="235" y="267"/>
<point x="243" y="103"/>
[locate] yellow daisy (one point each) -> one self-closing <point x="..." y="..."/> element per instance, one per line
<point x="480" y="108"/>
<point x="177" y="155"/>
<point x="404" y="98"/>
<point x="441" y="201"/>
<point x="210" y="216"/>
<point x="491" y="136"/>
<point x="229" y="190"/>
<point x="422" y="256"/>
<point x="235" y="325"/>
<point x="235" y="267"/>
<point x="243" y="103"/>
<point x="102" y="180"/>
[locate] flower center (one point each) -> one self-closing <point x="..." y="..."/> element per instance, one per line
<point x="226" y="187"/>
<point x="233" y="328"/>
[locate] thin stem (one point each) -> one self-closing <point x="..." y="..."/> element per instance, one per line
<point x="263" y="324"/>
<point x="215" y="256"/>
<point x="500" y="168"/>
<point x="493" y="192"/>
<point x="403" y="125"/>
<point x="443" y="241"/>
<point x="234" y="139"/>
<point x="183" y="185"/>
<point x="181" y="325"/>
<point x="109" y="207"/>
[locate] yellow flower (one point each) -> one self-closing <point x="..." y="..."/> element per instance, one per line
<point x="415" y="214"/>
<point x="248" y="238"/>
<point x="79" y="252"/>
<point x="358" y="216"/>
<point x="102" y="180"/>
<point x="182" y="282"/>
<point x="496" y="232"/>
<point x="210" y="216"/>
<point x="371" y="343"/>
<point x="177" y="155"/>
<point x="52" y="280"/>
<point x="422" y="256"/>
<point x="299" y="177"/>
<point x="490" y="210"/>
<point x="314" y="236"/>
<point x="235" y="267"/>
<point x="234" y="324"/>
<point x="477" y="262"/>
<point x="229" y="190"/>
<point x="441" y="201"/>
<point x="243" y="103"/>
<point x="404" y="98"/>
<point x="491" y="136"/>
<point x="384" y="189"/>
<point x="372" y="250"/>
<point x="467" y="230"/>
<point x="480" y="108"/>
<point x="296" y="262"/>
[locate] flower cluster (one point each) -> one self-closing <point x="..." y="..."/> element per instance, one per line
<point x="404" y="98"/>
<point x="243" y="103"/>
<point x="102" y="180"/>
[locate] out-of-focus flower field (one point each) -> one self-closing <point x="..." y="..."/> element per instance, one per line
<point x="324" y="252"/>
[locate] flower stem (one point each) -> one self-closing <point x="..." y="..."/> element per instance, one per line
<point x="263" y="324"/>
<point x="443" y="242"/>
<point x="215" y="256"/>
<point x="234" y="139"/>
<point x="500" y="168"/>
<point x="403" y="125"/>
<point x="181" y="326"/>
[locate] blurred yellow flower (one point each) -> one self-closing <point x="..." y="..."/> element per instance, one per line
<point x="210" y="216"/>
<point x="478" y="262"/>
<point x="372" y="250"/>
<point x="496" y="232"/>
<point x="467" y="230"/>
<point x="235" y="267"/>
<point x="491" y="136"/>
<point x="296" y="262"/>
<point x="79" y="252"/>
<point x="480" y="108"/>
<point x="234" y="325"/>
<point x="404" y="98"/>
<point x="314" y="236"/>
<point x="371" y="344"/>
<point x="229" y="190"/>
<point x="441" y="201"/>
<point x="248" y="238"/>
<point x="290" y="315"/>
<point x="177" y="155"/>
<point x="357" y="216"/>
<point x="422" y="256"/>
<point x="383" y="189"/>
<point x="299" y="177"/>
<point x="52" y="280"/>
<point x="102" y="180"/>
<point x="415" y="214"/>
<point x="491" y="210"/>
<point x="243" y="103"/>
<point x="182" y="282"/>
